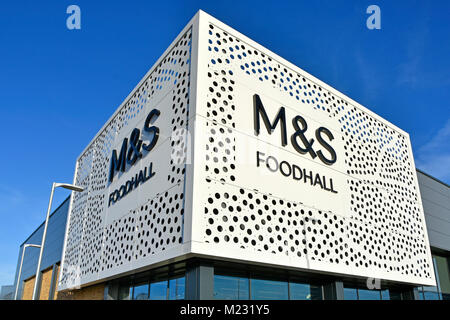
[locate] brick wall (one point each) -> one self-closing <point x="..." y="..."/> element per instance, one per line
<point x="56" y="293"/>
<point x="28" y="286"/>
<point x="46" y="280"/>
<point x="94" y="292"/>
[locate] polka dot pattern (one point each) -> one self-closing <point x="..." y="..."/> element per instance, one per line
<point x="384" y="230"/>
<point x="92" y="247"/>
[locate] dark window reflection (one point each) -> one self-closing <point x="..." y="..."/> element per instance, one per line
<point x="365" y="294"/>
<point x="230" y="288"/>
<point x="140" y="292"/>
<point x="350" y="294"/>
<point x="385" y="295"/>
<point x="158" y="290"/>
<point x="304" y="291"/>
<point x="441" y="266"/>
<point x="125" y="292"/>
<point x="395" y="295"/>
<point x="171" y="289"/>
<point x="269" y="290"/>
<point x="420" y="295"/>
<point x="431" y="295"/>
<point x="243" y="288"/>
<point x="176" y="288"/>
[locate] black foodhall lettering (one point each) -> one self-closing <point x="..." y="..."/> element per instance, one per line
<point x="295" y="172"/>
<point x="143" y="176"/>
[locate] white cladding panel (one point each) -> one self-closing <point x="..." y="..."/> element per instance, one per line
<point x="103" y="239"/>
<point x="372" y="227"/>
<point x="247" y="197"/>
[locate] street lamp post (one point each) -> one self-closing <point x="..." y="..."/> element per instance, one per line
<point x="21" y="263"/>
<point x="55" y="185"/>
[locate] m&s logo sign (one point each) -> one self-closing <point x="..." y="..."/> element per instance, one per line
<point x="131" y="152"/>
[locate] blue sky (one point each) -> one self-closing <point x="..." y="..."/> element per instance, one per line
<point x="59" y="86"/>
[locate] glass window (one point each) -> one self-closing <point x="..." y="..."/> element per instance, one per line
<point x="396" y="295"/>
<point x="158" y="290"/>
<point x="230" y="288"/>
<point x="432" y="292"/>
<point x="316" y="292"/>
<point x="269" y="290"/>
<point x="125" y="292"/>
<point x="431" y="295"/>
<point x="176" y="288"/>
<point x="304" y="291"/>
<point x="365" y="294"/>
<point x="140" y="292"/>
<point x="385" y="295"/>
<point x="420" y="289"/>
<point x="299" y="291"/>
<point x="350" y="294"/>
<point x="442" y="273"/>
<point x="239" y="288"/>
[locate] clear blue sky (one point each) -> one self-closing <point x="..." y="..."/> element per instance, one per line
<point x="58" y="87"/>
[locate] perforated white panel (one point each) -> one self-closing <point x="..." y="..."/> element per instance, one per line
<point x="104" y="239"/>
<point x="359" y="216"/>
<point x="372" y="227"/>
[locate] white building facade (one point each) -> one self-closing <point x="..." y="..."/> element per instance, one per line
<point x="228" y="153"/>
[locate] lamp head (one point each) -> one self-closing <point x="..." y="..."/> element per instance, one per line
<point x="69" y="187"/>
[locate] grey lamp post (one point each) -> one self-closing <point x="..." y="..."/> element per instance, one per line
<point x="21" y="263"/>
<point x="55" y="185"/>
